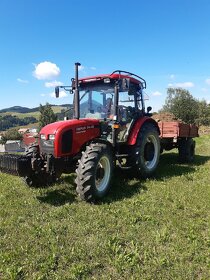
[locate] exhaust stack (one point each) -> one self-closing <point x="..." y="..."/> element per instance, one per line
<point x="76" y="96"/>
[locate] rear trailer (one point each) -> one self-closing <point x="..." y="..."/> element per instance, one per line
<point x="177" y="129"/>
<point x="178" y="135"/>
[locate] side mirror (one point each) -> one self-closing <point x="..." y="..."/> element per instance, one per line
<point x="56" y="92"/>
<point x="125" y="84"/>
<point x="149" y="109"/>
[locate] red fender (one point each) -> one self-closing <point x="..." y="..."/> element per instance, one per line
<point x="136" y="128"/>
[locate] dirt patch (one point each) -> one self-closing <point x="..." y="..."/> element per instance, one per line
<point x="169" y="117"/>
<point x="165" y="117"/>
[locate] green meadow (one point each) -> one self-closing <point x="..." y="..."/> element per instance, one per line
<point x="143" y="229"/>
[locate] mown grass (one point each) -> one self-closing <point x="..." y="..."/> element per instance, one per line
<point x="152" y="229"/>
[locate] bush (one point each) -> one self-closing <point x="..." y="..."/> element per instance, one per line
<point x="11" y="134"/>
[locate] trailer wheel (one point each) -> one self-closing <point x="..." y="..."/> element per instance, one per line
<point x="147" y="151"/>
<point x="94" y="172"/>
<point x="186" y="150"/>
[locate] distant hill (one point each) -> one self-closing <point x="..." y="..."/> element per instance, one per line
<point x="19" y="109"/>
<point x="18" y="116"/>
<point x="24" y="110"/>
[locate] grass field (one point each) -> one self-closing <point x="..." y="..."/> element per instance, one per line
<point x="21" y="115"/>
<point x="152" y="229"/>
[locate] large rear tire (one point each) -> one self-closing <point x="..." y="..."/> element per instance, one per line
<point x="94" y="172"/>
<point x="147" y="151"/>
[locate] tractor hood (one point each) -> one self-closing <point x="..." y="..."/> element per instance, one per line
<point x="77" y="125"/>
<point x="66" y="138"/>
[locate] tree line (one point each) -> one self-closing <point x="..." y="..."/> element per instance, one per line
<point x="10" y="121"/>
<point x="184" y="106"/>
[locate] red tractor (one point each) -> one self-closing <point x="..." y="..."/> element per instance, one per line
<point x="109" y="127"/>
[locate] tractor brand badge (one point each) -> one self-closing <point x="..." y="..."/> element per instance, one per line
<point x="83" y="129"/>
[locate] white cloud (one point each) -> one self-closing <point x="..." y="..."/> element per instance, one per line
<point x="208" y="81"/>
<point x="62" y="94"/>
<point x="156" y="93"/>
<point x="172" y="76"/>
<point x="22" y="81"/>
<point x="81" y="68"/>
<point x="46" y="71"/>
<point x="182" y="85"/>
<point x="53" y="84"/>
<point x="92" y="68"/>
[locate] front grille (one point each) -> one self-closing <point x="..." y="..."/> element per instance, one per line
<point x="47" y="146"/>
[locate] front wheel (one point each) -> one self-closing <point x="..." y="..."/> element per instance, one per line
<point x="147" y="151"/>
<point x="39" y="178"/>
<point x="94" y="172"/>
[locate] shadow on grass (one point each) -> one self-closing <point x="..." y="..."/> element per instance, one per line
<point x="64" y="194"/>
<point x="170" y="167"/>
<point x="57" y="197"/>
<point x="124" y="185"/>
<point x="200" y="160"/>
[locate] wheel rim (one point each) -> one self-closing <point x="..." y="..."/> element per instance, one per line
<point x="151" y="152"/>
<point x="102" y="174"/>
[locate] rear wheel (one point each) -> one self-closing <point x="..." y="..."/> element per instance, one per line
<point x="94" y="172"/>
<point x="186" y="150"/>
<point x="147" y="151"/>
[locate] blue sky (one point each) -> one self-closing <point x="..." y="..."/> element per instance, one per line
<point x="167" y="42"/>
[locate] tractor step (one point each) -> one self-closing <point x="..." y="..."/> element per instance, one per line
<point x="15" y="164"/>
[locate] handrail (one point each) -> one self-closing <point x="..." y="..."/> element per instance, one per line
<point x="143" y="82"/>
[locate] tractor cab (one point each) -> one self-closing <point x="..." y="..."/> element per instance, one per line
<point x="99" y="95"/>
<point x="115" y="99"/>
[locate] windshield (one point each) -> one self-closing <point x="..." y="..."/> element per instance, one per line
<point x="96" y="104"/>
<point x="97" y="101"/>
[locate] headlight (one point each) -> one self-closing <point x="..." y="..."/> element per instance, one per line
<point x="51" y="136"/>
<point x="42" y="136"/>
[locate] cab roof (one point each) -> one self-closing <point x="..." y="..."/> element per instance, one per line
<point x="116" y="75"/>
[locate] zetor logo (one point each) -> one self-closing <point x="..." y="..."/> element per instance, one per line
<point x="82" y="129"/>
